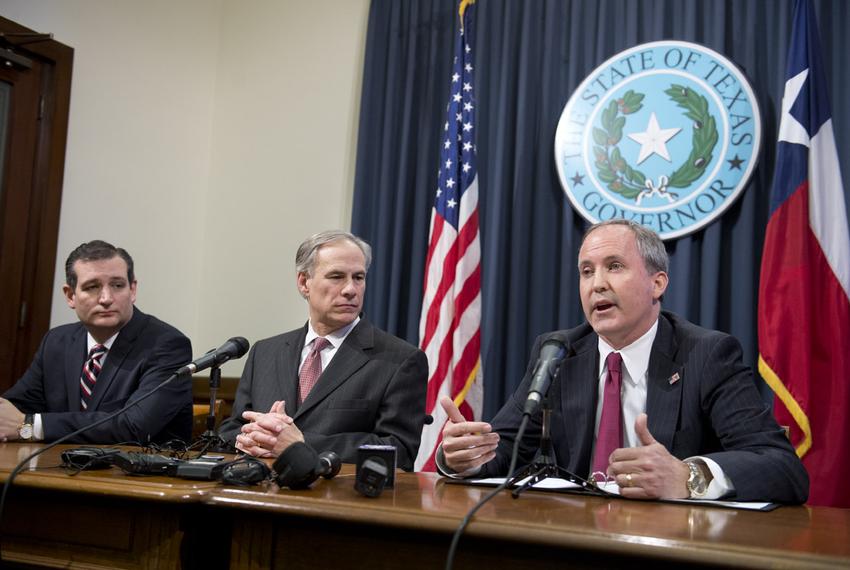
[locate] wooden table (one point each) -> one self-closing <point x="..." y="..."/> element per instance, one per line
<point x="105" y="519"/>
<point x="95" y="519"/>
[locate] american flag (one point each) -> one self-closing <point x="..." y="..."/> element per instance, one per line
<point x="450" y="325"/>
<point x="804" y="293"/>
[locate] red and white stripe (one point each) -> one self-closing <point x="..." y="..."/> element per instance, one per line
<point x="450" y="325"/>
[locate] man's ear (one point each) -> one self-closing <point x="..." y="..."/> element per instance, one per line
<point x="69" y="295"/>
<point x="301" y="280"/>
<point x="659" y="284"/>
<point x="133" y="287"/>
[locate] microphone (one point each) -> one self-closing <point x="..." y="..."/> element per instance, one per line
<point x="236" y="347"/>
<point x="329" y="465"/>
<point x="371" y="477"/>
<point x="299" y="465"/>
<point x="552" y="352"/>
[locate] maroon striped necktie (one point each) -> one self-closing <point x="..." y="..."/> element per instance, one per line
<point x="312" y="368"/>
<point x="610" y="436"/>
<point x="89" y="376"/>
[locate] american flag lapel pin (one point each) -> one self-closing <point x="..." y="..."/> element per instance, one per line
<point x="674" y="378"/>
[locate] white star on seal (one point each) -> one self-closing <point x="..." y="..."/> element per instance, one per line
<point x="652" y="140"/>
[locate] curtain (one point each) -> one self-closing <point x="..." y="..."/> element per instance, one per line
<point x="530" y="57"/>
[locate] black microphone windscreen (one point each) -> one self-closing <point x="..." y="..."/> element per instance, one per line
<point x="553" y="347"/>
<point x="242" y="346"/>
<point x="296" y="466"/>
<point x="551" y="353"/>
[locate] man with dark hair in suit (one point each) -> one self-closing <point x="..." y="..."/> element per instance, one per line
<point x="665" y="408"/>
<point x="338" y="382"/>
<point x="110" y="359"/>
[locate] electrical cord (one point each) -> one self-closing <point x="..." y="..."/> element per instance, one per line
<point x="468" y="518"/>
<point x="63" y="439"/>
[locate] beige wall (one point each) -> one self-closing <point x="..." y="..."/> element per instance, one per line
<point x="208" y="137"/>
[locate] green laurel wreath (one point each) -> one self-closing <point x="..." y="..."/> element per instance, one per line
<point x="612" y="167"/>
<point x="629" y="182"/>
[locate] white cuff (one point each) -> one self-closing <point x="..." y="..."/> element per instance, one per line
<point x="37" y="428"/>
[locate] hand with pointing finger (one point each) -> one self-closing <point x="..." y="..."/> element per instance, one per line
<point x="648" y="471"/>
<point x="466" y="445"/>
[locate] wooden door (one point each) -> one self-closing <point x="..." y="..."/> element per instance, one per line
<point x="35" y="80"/>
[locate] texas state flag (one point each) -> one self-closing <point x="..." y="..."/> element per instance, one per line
<point x="804" y="292"/>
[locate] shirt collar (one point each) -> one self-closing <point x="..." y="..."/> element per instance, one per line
<point x="336" y="338"/>
<point x="635" y="356"/>
<point x="91" y="342"/>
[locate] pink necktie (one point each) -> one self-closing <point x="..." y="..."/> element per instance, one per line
<point x="88" y="378"/>
<point x="311" y="369"/>
<point x="610" y="435"/>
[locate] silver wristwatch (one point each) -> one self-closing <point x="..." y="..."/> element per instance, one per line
<point x="697" y="481"/>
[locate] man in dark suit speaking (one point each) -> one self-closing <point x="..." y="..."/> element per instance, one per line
<point x="114" y="355"/>
<point x="665" y="408"/>
<point x="338" y="382"/>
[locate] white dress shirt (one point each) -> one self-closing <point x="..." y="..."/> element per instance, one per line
<point x="336" y="339"/>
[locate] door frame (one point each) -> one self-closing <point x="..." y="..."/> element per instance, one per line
<point x="36" y="288"/>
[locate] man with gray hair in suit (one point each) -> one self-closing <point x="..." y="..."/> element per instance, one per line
<point x="661" y="406"/>
<point x="338" y="382"/>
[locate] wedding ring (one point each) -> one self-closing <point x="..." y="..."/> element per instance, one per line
<point x="628" y="479"/>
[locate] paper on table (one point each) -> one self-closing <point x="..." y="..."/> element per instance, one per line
<point x="556" y="484"/>
<point x="548" y="484"/>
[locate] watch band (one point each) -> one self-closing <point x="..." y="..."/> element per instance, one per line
<point x="25" y="432"/>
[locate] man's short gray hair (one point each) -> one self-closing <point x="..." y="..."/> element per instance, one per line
<point x="305" y="258"/>
<point x="649" y="245"/>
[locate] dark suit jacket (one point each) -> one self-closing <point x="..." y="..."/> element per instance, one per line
<point x="372" y="392"/>
<point x="145" y="353"/>
<point x="713" y="410"/>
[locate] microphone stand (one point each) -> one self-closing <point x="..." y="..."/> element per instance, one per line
<point x="544" y="465"/>
<point x="210" y="440"/>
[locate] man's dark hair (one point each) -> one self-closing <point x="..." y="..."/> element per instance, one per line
<point x="96" y="250"/>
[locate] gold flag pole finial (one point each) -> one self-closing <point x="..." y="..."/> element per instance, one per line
<point x="462" y="8"/>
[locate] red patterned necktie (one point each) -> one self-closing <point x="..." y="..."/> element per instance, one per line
<point x="610" y="436"/>
<point x="311" y="369"/>
<point x="89" y="376"/>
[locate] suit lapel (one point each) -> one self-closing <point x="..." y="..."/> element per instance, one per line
<point x="286" y="368"/>
<point x="349" y="358"/>
<point x="578" y="399"/>
<point x="116" y="356"/>
<point x="664" y="384"/>
<point x="75" y="357"/>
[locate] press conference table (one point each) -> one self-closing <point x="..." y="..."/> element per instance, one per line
<point x="106" y="519"/>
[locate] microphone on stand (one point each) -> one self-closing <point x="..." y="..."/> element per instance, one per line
<point x="552" y="353"/>
<point x="236" y="347"/>
<point x="233" y="348"/>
